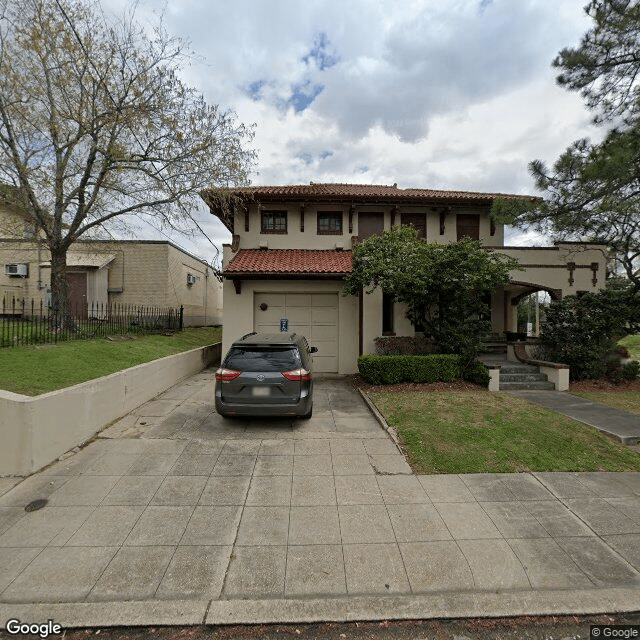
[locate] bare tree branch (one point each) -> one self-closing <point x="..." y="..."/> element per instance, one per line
<point x="96" y="124"/>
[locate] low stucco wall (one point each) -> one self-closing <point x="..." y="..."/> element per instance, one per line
<point x="34" y="431"/>
<point x="494" y="378"/>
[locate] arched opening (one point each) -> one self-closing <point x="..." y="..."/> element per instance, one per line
<point x="527" y="310"/>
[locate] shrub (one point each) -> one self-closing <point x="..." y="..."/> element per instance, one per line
<point x="477" y="373"/>
<point x="582" y="331"/>
<point x="395" y="369"/>
<point x="631" y="370"/>
<point x="403" y="345"/>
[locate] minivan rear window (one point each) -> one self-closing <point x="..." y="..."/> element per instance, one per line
<point x="263" y="359"/>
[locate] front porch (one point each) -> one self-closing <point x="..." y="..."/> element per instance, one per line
<point x="562" y="270"/>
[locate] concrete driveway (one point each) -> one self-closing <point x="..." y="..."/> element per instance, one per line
<point x="175" y="515"/>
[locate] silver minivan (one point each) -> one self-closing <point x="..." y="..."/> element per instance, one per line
<point x="266" y="374"/>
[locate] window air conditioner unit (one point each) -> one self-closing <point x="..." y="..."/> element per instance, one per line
<point x="191" y="279"/>
<point x="16" y="269"/>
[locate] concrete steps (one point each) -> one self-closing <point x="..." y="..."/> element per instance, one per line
<point x="519" y="377"/>
<point x="527" y="386"/>
<point x="522" y="377"/>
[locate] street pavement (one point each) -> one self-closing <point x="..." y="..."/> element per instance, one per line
<point x="174" y="515"/>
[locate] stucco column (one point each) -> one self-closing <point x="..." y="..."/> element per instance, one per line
<point x="510" y="313"/>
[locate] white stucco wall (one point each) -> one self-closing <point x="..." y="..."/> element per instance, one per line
<point x="34" y="431"/>
<point x="548" y="266"/>
<point x="294" y="238"/>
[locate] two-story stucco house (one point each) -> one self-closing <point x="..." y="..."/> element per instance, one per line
<point x="291" y="250"/>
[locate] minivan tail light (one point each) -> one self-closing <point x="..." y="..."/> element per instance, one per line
<point x="226" y="375"/>
<point x="297" y="375"/>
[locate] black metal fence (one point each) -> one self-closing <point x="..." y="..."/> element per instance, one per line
<point x="30" y="322"/>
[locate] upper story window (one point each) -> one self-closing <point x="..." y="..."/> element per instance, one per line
<point x="273" y="222"/>
<point x="370" y="224"/>
<point x="330" y="223"/>
<point x="468" y="226"/>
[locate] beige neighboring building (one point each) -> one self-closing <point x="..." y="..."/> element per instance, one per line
<point x="129" y="272"/>
<point x="291" y="250"/>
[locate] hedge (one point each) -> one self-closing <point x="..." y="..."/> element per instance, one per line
<point x="394" y="369"/>
<point x="477" y="373"/>
<point x="403" y="345"/>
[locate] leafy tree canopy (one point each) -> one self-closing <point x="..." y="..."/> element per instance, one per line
<point x="582" y="331"/>
<point x="604" y="68"/>
<point x="592" y="192"/>
<point x="97" y="126"/>
<point x="446" y="287"/>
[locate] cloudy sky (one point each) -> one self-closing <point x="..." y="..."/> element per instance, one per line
<point x="437" y="94"/>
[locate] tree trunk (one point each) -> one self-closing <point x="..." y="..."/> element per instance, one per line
<point x="61" y="315"/>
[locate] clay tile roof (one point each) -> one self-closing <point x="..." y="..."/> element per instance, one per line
<point x="289" y="261"/>
<point x="359" y="191"/>
<point x="223" y="202"/>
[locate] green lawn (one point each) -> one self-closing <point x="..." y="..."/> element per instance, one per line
<point x="625" y="400"/>
<point x="32" y="370"/>
<point x="632" y="343"/>
<point x="480" y="432"/>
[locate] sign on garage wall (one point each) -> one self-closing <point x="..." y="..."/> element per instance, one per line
<point x="284" y="324"/>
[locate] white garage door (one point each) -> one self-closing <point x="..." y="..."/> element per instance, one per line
<point x="314" y="315"/>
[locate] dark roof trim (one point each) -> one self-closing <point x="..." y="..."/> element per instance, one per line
<point x="253" y="275"/>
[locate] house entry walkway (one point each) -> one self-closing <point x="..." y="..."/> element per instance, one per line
<point x="621" y="425"/>
<point x="177" y="516"/>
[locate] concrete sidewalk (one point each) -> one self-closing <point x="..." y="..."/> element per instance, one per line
<point x="621" y="425"/>
<point x="177" y="516"/>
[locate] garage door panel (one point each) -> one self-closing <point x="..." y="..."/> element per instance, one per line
<point x="271" y="316"/>
<point x="299" y="300"/>
<point x="312" y="315"/>
<point x="325" y="347"/>
<point x="324" y="315"/>
<point x="324" y="300"/>
<point x="300" y="315"/>
<point x="271" y="299"/>
<point x="274" y="327"/>
<point x="268" y="328"/>
<point x="324" y="332"/>
<point x="325" y="364"/>
<point x="300" y="329"/>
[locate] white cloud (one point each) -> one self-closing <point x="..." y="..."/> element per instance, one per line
<point x="427" y="93"/>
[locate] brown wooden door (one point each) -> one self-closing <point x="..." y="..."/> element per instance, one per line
<point x="370" y="224"/>
<point x="77" y="288"/>
<point x="468" y="226"/>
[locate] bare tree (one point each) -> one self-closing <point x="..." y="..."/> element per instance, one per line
<point x="97" y="128"/>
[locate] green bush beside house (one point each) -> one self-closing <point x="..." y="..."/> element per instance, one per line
<point x="394" y="369"/>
